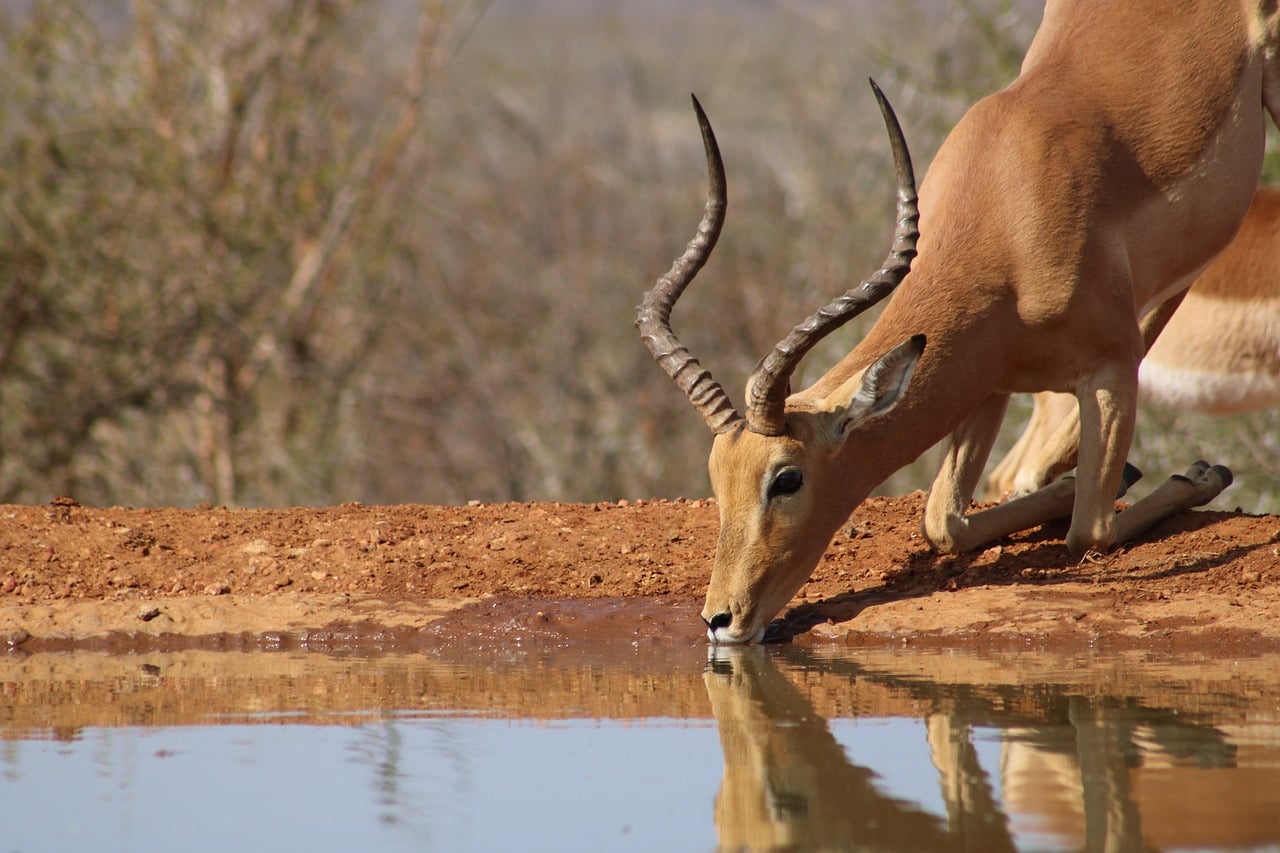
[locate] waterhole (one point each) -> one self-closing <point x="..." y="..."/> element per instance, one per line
<point x="627" y="745"/>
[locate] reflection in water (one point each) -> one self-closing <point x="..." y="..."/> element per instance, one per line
<point x="787" y="780"/>
<point x="973" y="813"/>
<point x="646" y="747"/>
<point x="1120" y="777"/>
<point x="380" y="748"/>
<point x="1077" y="771"/>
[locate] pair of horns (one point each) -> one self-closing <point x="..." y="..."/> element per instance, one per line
<point x="768" y="386"/>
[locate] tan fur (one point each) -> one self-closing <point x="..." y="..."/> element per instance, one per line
<point x="1056" y="214"/>
<point x="1218" y="354"/>
<point x="788" y="784"/>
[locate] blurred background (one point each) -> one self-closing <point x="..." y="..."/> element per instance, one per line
<point x="284" y="252"/>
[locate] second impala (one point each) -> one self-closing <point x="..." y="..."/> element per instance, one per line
<point x="1058" y="213"/>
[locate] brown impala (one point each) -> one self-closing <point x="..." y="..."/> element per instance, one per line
<point x="1219" y="354"/>
<point x="1058" y="214"/>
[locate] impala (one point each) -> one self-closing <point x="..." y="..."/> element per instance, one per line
<point x="1058" y="213"/>
<point x="1218" y="354"/>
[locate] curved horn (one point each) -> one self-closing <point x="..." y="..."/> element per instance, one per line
<point x="653" y="317"/>
<point x="768" y="386"/>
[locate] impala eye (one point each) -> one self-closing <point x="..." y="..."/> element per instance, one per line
<point x="786" y="482"/>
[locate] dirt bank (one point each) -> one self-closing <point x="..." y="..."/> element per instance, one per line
<point x="73" y="575"/>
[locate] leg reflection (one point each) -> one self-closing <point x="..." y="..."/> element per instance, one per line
<point x="787" y="780"/>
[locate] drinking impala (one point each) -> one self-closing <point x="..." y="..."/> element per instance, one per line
<point x="1058" y="213"/>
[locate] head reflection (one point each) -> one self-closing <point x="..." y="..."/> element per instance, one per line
<point x="787" y="781"/>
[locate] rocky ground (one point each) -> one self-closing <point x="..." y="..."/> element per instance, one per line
<point x="73" y="575"/>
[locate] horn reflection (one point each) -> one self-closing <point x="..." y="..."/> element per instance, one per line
<point x="787" y="781"/>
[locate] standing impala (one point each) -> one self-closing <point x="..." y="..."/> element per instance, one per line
<point x="1218" y="354"/>
<point x="1057" y="214"/>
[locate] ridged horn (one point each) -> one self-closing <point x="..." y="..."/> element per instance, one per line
<point x="769" y="383"/>
<point x="653" y="317"/>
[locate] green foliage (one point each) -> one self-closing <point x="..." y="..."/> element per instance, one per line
<point x="1271" y="162"/>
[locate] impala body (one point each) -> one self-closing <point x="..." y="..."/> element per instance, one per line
<point x="1219" y="353"/>
<point x="1056" y="215"/>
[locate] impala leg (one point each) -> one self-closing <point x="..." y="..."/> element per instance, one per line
<point x="1050" y="503"/>
<point x="1057" y="452"/>
<point x="1051" y="443"/>
<point x="1005" y="480"/>
<point x="945" y="526"/>
<point x="1108" y="408"/>
<point x="1057" y="456"/>
<point x="1202" y="483"/>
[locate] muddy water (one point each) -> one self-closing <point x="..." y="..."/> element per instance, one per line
<point x="521" y="742"/>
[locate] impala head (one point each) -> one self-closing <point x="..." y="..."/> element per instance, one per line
<point x="780" y="495"/>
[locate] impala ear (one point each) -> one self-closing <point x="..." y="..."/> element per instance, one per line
<point x="883" y="383"/>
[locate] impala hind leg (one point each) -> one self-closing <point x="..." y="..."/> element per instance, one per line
<point x="1029" y="465"/>
<point x="1058" y="451"/>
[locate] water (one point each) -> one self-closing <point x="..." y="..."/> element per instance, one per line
<point x="637" y="747"/>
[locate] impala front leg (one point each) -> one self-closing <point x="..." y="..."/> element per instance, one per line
<point x="945" y="526"/>
<point x="1045" y="452"/>
<point x="1108" y="408"/>
<point x="1108" y="403"/>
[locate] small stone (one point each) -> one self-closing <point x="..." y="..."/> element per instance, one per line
<point x="16" y="638"/>
<point x="257" y="546"/>
<point x="222" y="588"/>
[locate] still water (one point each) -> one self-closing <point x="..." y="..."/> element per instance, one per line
<point x="625" y="747"/>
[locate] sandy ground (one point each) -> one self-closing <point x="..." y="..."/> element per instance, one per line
<point x="74" y="576"/>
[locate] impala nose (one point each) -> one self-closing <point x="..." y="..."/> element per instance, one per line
<point x="720" y="620"/>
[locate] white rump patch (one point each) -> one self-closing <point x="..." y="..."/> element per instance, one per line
<point x="1206" y="391"/>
